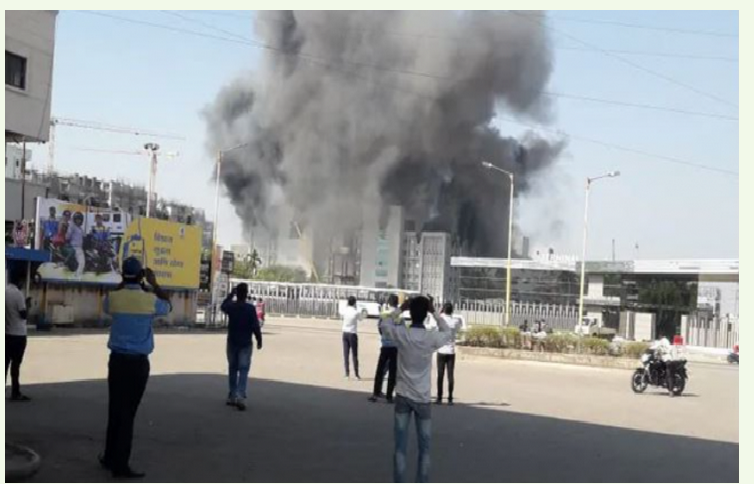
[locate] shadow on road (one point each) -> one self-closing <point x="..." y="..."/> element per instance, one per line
<point x="303" y="433"/>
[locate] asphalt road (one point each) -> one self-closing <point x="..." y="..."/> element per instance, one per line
<point x="514" y="421"/>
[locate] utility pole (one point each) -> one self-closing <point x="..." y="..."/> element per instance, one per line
<point x="613" y="250"/>
<point x="588" y="187"/>
<point x="510" y="175"/>
<point x="23" y="177"/>
<point x="215" y="270"/>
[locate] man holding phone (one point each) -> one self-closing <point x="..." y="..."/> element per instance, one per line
<point x="133" y="307"/>
<point x="415" y="348"/>
<point x="242" y="324"/>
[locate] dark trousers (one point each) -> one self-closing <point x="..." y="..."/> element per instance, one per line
<point x="351" y="346"/>
<point x="444" y="361"/>
<point x="126" y="382"/>
<point x="669" y="376"/>
<point x="388" y="361"/>
<point x="15" y="347"/>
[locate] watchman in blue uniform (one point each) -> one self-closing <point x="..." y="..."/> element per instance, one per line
<point x="133" y="307"/>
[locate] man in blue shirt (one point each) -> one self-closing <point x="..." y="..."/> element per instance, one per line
<point x="242" y="323"/>
<point x="50" y="229"/>
<point x="133" y="308"/>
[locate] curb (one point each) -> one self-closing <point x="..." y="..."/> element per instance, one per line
<point x="569" y="359"/>
<point x="20" y="462"/>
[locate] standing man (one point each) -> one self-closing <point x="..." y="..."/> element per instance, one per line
<point x="75" y="237"/>
<point x="388" y="354"/>
<point x="100" y="231"/>
<point x="415" y="347"/>
<point x="133" y="308"/>
<point x="15" y="332"/>
<point x="351" y="317"/>
<point x="242" y="323"/>
<point x="446" y="356"/>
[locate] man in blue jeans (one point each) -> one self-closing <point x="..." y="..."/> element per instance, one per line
<point x="242" y="323"/>
<point x="415" y="347"/>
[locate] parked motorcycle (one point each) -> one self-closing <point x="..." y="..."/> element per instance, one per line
<point x="653" y="372"/>
<point x="733" y="356"/>
<point x="64" y="254"/>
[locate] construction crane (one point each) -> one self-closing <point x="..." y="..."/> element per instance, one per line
<point x="151" y="150"/>
<point x="78" y="123"/>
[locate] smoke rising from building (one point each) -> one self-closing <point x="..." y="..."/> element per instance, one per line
<point x="349" y="109"/>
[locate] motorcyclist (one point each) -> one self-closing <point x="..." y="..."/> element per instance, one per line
<point x="664" y="354"/>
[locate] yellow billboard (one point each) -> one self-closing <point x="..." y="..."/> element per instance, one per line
<point x="172" y="250"/>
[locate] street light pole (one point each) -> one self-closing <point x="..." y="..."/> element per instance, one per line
<point x="490" y="166"/>
<point x="215" y="228"/>
<point x="589" y="182"/>
<point x="151" y="149"/>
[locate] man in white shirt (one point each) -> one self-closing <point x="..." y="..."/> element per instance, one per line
<point x="446" y="356"/>
<point x="351" y="317"/>
<point x="415" y="348"/>
<point x="15" y="333"/>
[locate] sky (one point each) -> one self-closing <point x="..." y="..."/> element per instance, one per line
<point x="149" y="77"/>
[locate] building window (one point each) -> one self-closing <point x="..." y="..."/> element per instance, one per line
<point x="15" y="70"/>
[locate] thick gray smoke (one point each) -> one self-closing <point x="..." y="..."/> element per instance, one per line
<point x="349" y="109"/>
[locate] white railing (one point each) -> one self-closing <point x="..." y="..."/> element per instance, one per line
<point x="485" y="312"/>
<point x="710" y="332"/>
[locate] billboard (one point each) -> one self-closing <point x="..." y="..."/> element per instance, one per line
<point x="87" y="245"/>
<point x="84" y="242"/>
<point x="171" y="249"/>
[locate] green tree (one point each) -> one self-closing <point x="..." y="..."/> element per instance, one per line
<point x="247" y="267"/>
<point x="281" y="274"/>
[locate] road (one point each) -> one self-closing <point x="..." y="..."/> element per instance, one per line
<point x="514" y="421"/>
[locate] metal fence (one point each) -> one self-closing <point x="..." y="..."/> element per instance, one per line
<point x="558" y="317"/>
<point x="315" y="308"/>
<point x="709" y="332"/>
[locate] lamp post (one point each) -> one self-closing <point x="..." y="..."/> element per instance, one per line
<point x="490" y="166"/>
<point x="218" y="165"/>
<point x="589" y="182"/>
<point x="151" y="149"/>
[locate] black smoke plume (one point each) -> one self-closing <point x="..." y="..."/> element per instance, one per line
<point x="348" y="109"/>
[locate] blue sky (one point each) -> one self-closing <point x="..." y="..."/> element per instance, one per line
<point x="136" y="75"/>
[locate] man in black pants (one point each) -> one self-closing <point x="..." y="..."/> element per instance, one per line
<point x="351" y="317"/>
<point x="446" y="356"/>
<point x="15" y="333"/>
<point x="133" y="308"/>
<point x="388" y="355"/>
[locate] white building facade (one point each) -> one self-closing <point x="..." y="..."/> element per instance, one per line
<point x="29" y="54"/>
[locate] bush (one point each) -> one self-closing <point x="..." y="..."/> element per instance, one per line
<point x="510" y="337"/>
<point x="484" y="336"/>
<point x="633" y="349"/>
<point x="561" y="342"/>
<point x="595" y="346"/>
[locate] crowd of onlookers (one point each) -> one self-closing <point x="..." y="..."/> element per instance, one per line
<point x="533" y="337"/>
